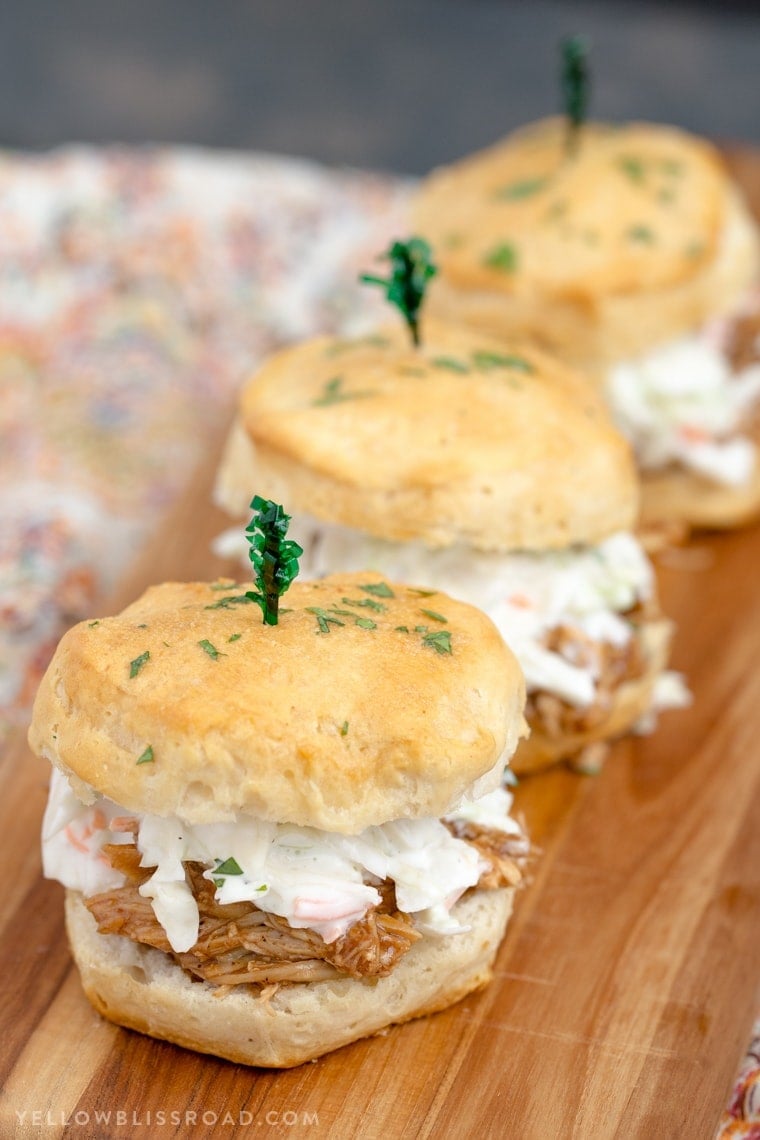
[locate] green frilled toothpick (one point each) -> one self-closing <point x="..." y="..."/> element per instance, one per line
<point x="273" y="556"/>
<point x="576" y="87"/>
<point x="411" y="269"/>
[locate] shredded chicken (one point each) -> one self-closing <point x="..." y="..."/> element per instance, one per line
<point x="504" y="852"/>
<point x="612" y="665"/>
<point x="238" y="943"/>
<point x="743" y="348"/>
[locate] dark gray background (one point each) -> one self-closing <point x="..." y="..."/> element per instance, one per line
<point x="393" y="84"/>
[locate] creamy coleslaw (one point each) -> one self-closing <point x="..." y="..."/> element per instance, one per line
<point x="312" y="878"/>
<point x="683" y="403"/>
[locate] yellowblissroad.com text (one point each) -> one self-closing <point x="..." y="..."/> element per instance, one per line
<point x="120" y="1118"/>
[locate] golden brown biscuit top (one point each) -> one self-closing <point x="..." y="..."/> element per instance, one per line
<point x="634" y="208"/>
<point x="460" y="437"/>
<point x="369" y="701"/>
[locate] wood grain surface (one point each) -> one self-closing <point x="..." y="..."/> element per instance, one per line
<point x="625" y="989"/>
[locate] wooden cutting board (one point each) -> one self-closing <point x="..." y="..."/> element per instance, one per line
<point x="625" y="989"/>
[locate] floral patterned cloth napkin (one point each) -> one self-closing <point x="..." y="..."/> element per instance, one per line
<point x="138" y="288"/>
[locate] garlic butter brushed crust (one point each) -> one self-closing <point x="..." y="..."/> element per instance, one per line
<point x="465" y="439"/>
<point x="337" y="729"/>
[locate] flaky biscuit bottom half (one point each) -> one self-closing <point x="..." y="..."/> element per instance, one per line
<point x="679" y="496"/>
<point x="141" y="988"/>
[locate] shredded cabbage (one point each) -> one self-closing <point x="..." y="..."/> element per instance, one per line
<point x="312" y="878"/>
<point x="682" y="403"/>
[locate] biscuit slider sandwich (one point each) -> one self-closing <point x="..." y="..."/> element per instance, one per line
<point x="279" y="838"/>
<point x="630" y="252"/>
<point x="483" y="469"/>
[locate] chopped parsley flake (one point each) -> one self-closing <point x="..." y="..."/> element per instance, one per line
<point x="421" y="593"/>
<point x="92" y="624"/>
<point x="525" y="188"/>
<point x="232" y="600"/>
<point x="487" y="360"/>
<point x="344" y="728"/>
<point x="450" y="363"/>
<point x="221" y="585"/>
<point x="235" y="637"/>
<point x="436" y="617"/>
<point x="368" y="603"/>
<point x="228" y="867"/>
<point x="147" y="756"/>
<point x="364" y="623"/>
<point x="502" y="257"/>
<point x="378" y="589"/>
<point x="632" y="167"/>
<point x="440" y="642"/>
<point x="210" y="649"/>
<point x="641" y="234"/>
<point x="324" y="619"/>
<point x="136" y="665"/>
<point x="334" y="393"/>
